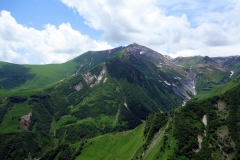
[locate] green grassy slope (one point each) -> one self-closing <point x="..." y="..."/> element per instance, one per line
<point x="164" y="136"/>
<point x="88" y="115"/>
<point x="26" y="77"/>
<point x="217" y="89"/>
<point x="113" y="96"/>
<point x="122" y="145"/>
<point x="20" y="77"/>
<point x="188" y="61"/>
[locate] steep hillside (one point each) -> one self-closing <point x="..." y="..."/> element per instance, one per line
<point x="232" y="63"/>
<point x="206" y="71"/>
<point x="67" y="111"/>
<point x="209" y="129"/>
<point x="26" y="77"/>
<point x="22" y="77"/>
<point x="116" y="94"/>
<point x="205" y="129"/>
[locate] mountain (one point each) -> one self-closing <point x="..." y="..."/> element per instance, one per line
<point x="63" y="111"/>
<point x="108" y="91"/>
<point x="232" y="63"/>
<point x="203" y="129"/>
<point x="209" y="72"/>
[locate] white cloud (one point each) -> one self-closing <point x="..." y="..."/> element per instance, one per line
<point x="20" y="44"/>
<point x="168" y="26"/>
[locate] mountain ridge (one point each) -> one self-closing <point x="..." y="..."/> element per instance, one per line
<point x="51" y="111"/>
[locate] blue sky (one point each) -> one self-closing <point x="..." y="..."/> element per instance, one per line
<point x="54" y="31"/>
<point x="38" y="13"/>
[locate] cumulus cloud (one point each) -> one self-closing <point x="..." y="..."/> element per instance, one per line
<point x="20" y="44"/>
<point x="168" y="26"/>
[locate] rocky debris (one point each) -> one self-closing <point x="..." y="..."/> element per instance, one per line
<point x="188" y="85"/>
<point x="100" y="77"/>
<point x="200" y="139"/>
<point x="225" y="139"/>
<point x="222" y="110"/>
<point x="79" y="86"/>
<point x="181" y="92"/>
<point x="25" y="121"/>
<point x="88" y="77"/>
<point x="221" y="106"/>
<point x="168" y="57"/>
<point x="223" y="134"/>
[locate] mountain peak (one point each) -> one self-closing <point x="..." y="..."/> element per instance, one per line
<point x="135" y="45"/>
<point x="207" y="59"/>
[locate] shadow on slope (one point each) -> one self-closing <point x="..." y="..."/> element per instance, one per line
<point x="13" y="75"/>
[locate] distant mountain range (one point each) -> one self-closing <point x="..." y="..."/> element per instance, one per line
<point x="53" y="111"/>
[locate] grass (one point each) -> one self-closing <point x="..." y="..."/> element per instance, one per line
<point x="155" y="152"/>
<point x="218" y="89"/>
<point x="62" y="121"/>
<point x="47" y="74"/>
<point x="28" y="77"/>
<point x="10" y="121"/>
<point x="188" y="61"/>
<point x="113" y="146"/>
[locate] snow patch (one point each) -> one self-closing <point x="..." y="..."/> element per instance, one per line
<point x="105" y="79"/>
<point x="125" y="104"/>
<point x="142" y="52"/>
<point x="177" y="78"/>
<point x="184" y="103"/>
<point x="90" y="63"/>
<point x="78" y="70"/>
<point x="232" y="72"/>
<point x="167" y="83"/>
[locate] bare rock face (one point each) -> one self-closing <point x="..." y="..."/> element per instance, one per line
<point x="25" y="121"/>
<point x="93" y="80"/>
<point x="79" y="86"/>
<point x="88" y="77"/>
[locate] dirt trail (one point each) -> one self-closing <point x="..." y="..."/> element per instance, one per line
<point x="158" y="136"/>
<point x="117" y="115"/>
